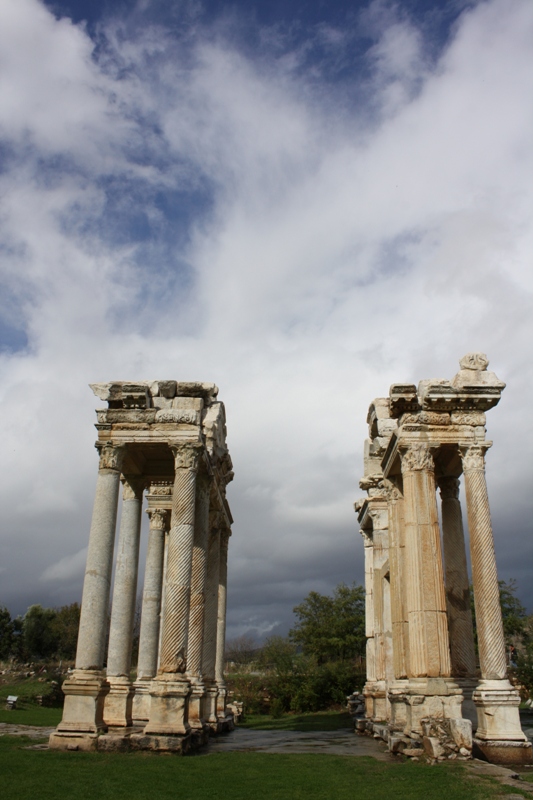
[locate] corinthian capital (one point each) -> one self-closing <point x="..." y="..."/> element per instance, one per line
<point x="111" y="455"/>
<point x="133" y="487"/>
<point x="473" y="456"/>
<point x="449" y="488"/>
<point x="417" y="457"/>
<point x="158" y="518"/>
<point x="186" y="456"/>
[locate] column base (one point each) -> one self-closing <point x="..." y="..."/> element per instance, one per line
<point x="398" y="705"/>
<point x="169" y="694"/>
<point x="209" y="710"/>
<point x="119" y="702"/>
<point x="83" y="710"/>
<point x="431" y="698"/>
<point x="141" y="701"/>
<point x="503" y="752"/>
<point x="497" y="712"/>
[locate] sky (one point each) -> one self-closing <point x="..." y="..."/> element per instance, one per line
<point x="303" y="202"/>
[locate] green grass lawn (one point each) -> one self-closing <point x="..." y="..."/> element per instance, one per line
<point x="51" y="775"/>
<point x="28" y="714"/>
<point x="321" y="721"/>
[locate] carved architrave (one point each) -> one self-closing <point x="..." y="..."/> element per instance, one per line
<point x="473" y="457"/>
<point x="417" y="457"/>
<point x="426" y="418"/>
<point x="449" y="487"/>
<point x="111" y="455"/>
<point x="186" y="456"/>
<point x="474" y="418"/>
<point x="163" y="489"/>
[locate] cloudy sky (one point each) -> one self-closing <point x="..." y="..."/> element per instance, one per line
<point x="298" y="201"/>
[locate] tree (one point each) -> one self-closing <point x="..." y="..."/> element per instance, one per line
<point x="331" y="628"/>
<point x="65" y="630"/>
<point x="39" y="631"/>
<point x="6" y="633"/>
<point x="241" y="650"/>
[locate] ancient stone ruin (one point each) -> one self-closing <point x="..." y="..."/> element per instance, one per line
<point x="423" y="683"/>
<point x="167" y="439"/>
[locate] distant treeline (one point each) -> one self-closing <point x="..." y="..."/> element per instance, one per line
<point x="41" y="634"/>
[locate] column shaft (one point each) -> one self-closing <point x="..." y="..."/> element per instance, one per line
<point x="125" y="588"/>
<point x="151" y="605"/>
<point x="198" y="579"/>
<point x="221" y="615"/>
<point x="97" y="582"/>
<point x="211" y="606"/>
<point x="179" y="562"/>
<point x="429" y="653"/>
<point x="400" y="630"/>
<point x="460" y="627"/>
<point x="489" y="623"/>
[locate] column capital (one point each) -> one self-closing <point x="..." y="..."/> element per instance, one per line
<point x="133" y="487"/>
<point x="111" y="455"/>
<point x="416" y="457"/>
<point x="187" y="456"/>
<point x="448" y="487"/>
<point x="473" y="456"/>
<point x="159" y="518"/>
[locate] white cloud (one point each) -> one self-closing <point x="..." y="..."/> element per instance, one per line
<point x="333" y="250"/>
<point x="67" y="567"/>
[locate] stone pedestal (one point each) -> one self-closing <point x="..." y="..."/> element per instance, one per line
<point x="398" y="705"/>
<point x="436" y="698"/>
<point x="141" y="701"/>
<point x="169" y="706"/>
<point x="83" y="711"/>
<point x="119" y="702"/>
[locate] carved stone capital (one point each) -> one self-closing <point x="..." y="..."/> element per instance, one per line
<point x="416" y="457"/>
<point x="393" y="492"/>
<point x="449" y="487"/>
<point x="473" y="456"/>
<point x="111" y="455"/>
<point x="186" y="456"/>
<point x="159" y="518"/>
<point x="133" y="487"/>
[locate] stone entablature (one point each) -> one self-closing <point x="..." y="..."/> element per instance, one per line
<point x="165" y="440"/>
<point x="421" y="663"/>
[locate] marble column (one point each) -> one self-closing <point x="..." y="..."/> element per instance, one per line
<point x="86" y="689"/>
<point x="429" y="650"/>
<point x="400" y="628"/>
<point x="210" y="622"/>
<point x="369" y="624"/>
<point x="170" y="690"/>
<point x="118" y="705"/>
<point x="151" y="612"/>
<point x="461" y="630"/>
<point x="197" y="607"/>
<point x="378" y="512"/>
<point x="221" y="625"/>
<point x="496" y="700"/>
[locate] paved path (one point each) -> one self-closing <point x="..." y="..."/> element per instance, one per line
<point x="341" y="743"/>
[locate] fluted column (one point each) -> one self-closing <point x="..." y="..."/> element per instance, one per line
<point x="461" y="631"/>
<point x="221" y="624"/>
<point x="400" y="627"/>
<point x="86" y="689"/>
<point x="210" y="620"/>
<point x="170" y="691"/>
<point x="496" y="701"/>
<point x="197" y="607"/>
<point x="117" y="710"/>
<point x="400" y="631"/>
<point x="429" y="652"/>
<point x="151" y="612"/>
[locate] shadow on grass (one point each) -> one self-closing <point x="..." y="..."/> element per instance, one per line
<point x="321" y="721"/>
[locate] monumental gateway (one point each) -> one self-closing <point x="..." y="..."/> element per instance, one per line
<point x="164" y="441"/>
<point x="424" y="685"/>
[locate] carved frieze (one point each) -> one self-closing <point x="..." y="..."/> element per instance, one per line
<point x="184" y="416"/>
<point x="473" y="418"/>
<point x="425" y="418"/>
